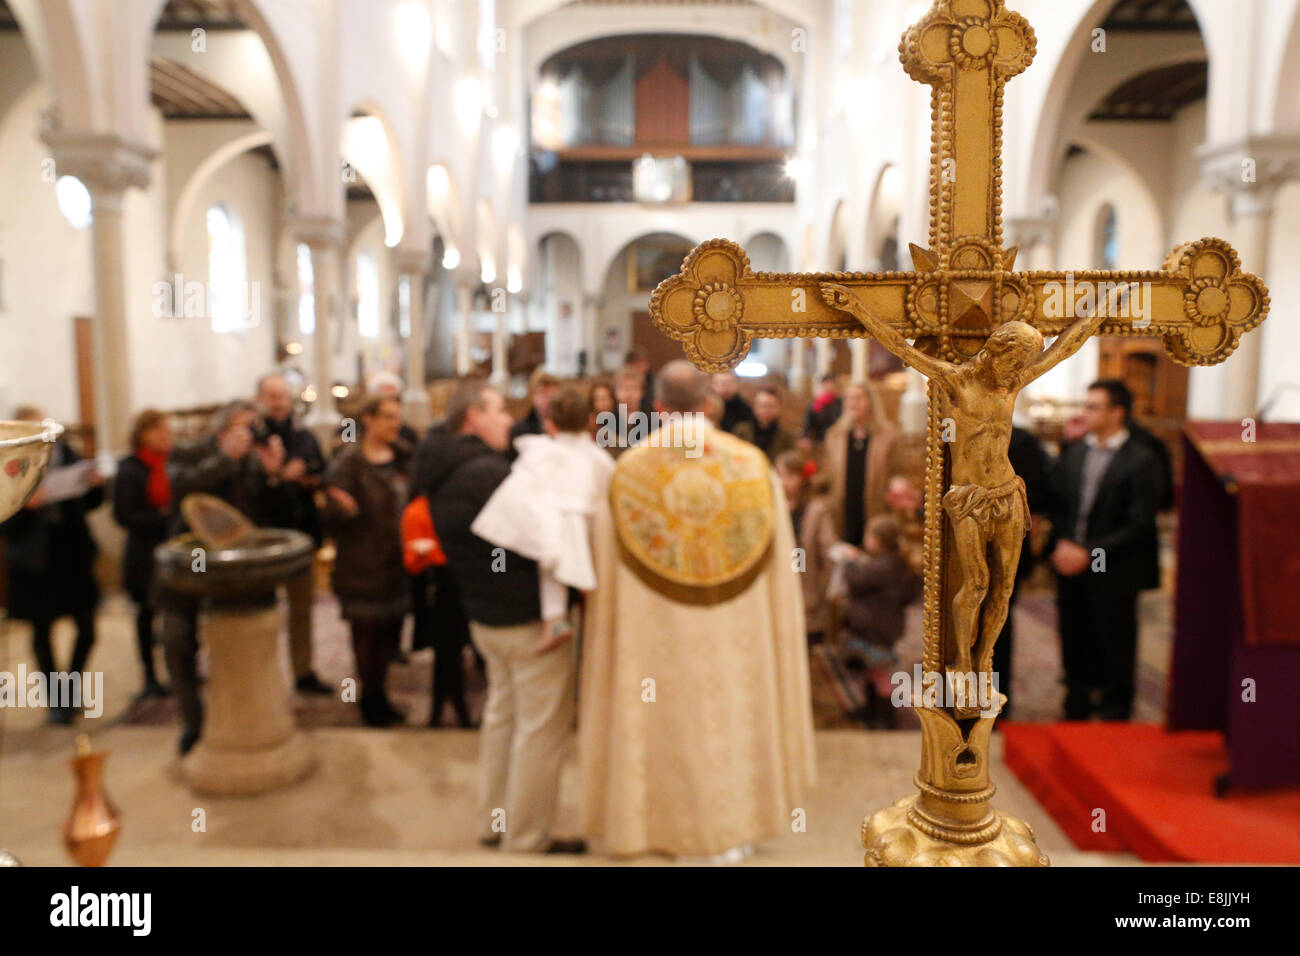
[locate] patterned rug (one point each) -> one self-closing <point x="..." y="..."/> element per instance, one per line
<point x="410" y="684"/>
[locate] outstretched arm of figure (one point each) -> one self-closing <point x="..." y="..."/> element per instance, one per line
<point x="1068" y="342"/>
<point x="844" y="299"/>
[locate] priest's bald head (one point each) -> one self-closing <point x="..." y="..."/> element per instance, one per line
<point x="681" y="387"/>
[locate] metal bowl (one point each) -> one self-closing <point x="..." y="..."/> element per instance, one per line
<point x="24" y="453"/>
<point x="264" y="559"/>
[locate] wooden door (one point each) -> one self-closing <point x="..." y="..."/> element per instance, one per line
<point x="658" y="348"/>
<point x="83" y="335"/>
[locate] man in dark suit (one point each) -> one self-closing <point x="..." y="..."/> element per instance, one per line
<point x="1105" y="492"/>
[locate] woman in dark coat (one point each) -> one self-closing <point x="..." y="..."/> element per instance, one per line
<point x="49" y="563"/>
<point x="142" y="504"/>
<point x="367" y="489"/>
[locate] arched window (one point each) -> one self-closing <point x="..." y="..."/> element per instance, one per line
<point x="1107" y="238"/>
<point x="367" y="295"/>
<point x="228" y="302"/>
<point x="74" y="201"/>
<point x="306" y="291"/>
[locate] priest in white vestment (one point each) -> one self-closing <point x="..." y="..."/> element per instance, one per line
<point x="695" y="714"/>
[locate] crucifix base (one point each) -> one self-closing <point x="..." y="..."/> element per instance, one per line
<point x="950" y="822"/>
<point x="891" y="837"/>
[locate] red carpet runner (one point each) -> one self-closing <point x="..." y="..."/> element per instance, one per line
<point x="1157" y="791"/>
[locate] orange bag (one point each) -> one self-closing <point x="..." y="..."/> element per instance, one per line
<point x="417" y="523"/>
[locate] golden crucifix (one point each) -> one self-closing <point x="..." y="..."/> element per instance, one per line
<point x="976" y="329"/>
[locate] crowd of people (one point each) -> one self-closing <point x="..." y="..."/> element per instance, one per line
<point x="479" y="531"/>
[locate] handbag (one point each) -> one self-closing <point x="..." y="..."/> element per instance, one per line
<point x="417" y="533"/>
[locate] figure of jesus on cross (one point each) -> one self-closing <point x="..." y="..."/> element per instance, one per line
<point x="986" y="502"/>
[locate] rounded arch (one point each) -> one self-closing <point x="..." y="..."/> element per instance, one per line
<point x="608" y="246"/>
<point x="657" y="236"/>
<point x="768" y="252"/>
<point x="623" y="319"/>
<point x="202" y="175"/>
<point x="300" y="158"/>
<point x="369" y="146"/>
<point x="884" y="213"/>
<point x="1138" y="206"/>
<point x="554" y="238"/>
<point x="62" y="55"/>
<point x="1049" y="141"/>
<point x="556" y="295"/>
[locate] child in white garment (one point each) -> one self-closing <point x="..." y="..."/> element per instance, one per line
<point x="543" y="509"/>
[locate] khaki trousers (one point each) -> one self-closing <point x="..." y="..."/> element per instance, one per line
<point x="298" y="594"/>
<point x="527" y="719"/>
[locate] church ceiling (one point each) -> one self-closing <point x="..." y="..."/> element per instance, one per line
<point x="180" y="93"/>
<point x="1151" y="15"/>
<point x="1157" y="94"/>
<point x="209" y="14"/>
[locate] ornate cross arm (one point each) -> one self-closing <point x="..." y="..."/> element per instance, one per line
<point x="716" y="305"/>
<point x="1200" y="303"/>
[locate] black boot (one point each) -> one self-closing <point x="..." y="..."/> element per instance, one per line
<point x="462" y="713"/>
<point x="376" y="711"/>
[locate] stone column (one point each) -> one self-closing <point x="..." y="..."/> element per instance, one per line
<point x="588" y="339"/>
<point x="798" y="366"/>
<point x="824" y="352"/>
<point x="108" y="165"/>
<point x="250" y="743"/>
<point x="465" y="314"/>
<point x="1036" y="238"/>
<point x="858" y="352"/>
<point x="1251" y="172"/>
<point x="500" y="342"/>
<point x="324" y="236"/>
<point x="413" y="264"/>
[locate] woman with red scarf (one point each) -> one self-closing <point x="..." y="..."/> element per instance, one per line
<point x="142" y="504"/>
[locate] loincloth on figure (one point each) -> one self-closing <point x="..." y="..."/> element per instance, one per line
<point x="988" y="505"/>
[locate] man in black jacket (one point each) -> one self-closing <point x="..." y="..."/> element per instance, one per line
<point x="301" y="474"/>
<point x="1105" y="491"/>
<point x="529" y="708"/>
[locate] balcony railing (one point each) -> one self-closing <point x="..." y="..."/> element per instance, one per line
<point x="605" y="174"/>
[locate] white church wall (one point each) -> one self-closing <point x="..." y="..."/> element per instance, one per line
<point x="45" y="266"/>
<point x="558" y="291"/>
<point x="1197" y="211"/>
<point x="383" y="352"/>
<point x="1280" y="362"/>
<point x="179" y="361"/>
<point x="1088" y="183"/>
<point x="602" y="229"/>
